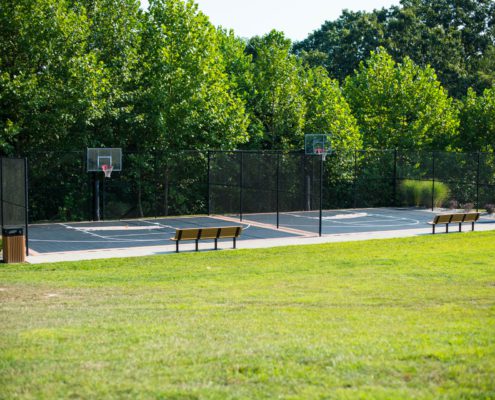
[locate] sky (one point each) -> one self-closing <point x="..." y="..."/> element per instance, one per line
<point x="296" y="18"/>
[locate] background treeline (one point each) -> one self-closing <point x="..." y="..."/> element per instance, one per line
<point x="91" y="73"/>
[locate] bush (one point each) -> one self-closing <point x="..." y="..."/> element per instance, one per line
<point x="418" y="193"/>
<point x="490" y="208"/>
<point x="453" y="204"/>
<point x="468" y="207"/>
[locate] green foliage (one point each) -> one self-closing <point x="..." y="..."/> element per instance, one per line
<point x="419" y="193"/>
<point x="400" y="105"/>
<point x="340" y="45"/>
<point x="477" y="130"/>
<point x="50" y="79"/>
<point x="327" y="111"/>
<point x="454" y="37"/>
<point x="277" y="105"/>
<point x="187" y="89"/>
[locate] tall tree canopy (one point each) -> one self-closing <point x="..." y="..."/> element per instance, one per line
<point x="77" y="73"/>
<point x="187" y="101"/>
<point x="477" y="132"/>
<point x="328" y="111"/>
<point x="50" y="76"/>
<point x="400" y="105"/>
<point x="452" y="36"/>
<point x="277" y="103"/>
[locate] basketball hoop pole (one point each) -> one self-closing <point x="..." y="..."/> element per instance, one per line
<point x="96" y="197"/>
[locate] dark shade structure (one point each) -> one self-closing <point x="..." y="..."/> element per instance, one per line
<point x="14" y="195"/>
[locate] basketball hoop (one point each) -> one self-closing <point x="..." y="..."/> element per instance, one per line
<point x="107" y="170"/>
<point x="321" y="152"/>
<point x="318" y="144"/>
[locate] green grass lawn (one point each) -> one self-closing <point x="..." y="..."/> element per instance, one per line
<point x="388" y="319"/>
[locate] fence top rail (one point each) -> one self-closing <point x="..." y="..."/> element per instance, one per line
<point x="261" y="151"/>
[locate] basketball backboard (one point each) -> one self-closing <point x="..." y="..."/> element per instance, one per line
<point x="97" y="157"/>
<point x="318" y="144"/>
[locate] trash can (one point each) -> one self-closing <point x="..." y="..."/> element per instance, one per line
<point x="14" y="245"/>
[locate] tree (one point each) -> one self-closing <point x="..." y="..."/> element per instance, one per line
<point x="477" y="131"/>
<point x="49" y="79"/>
<point x="115" y="38"/>
<point x="400" y="105"/>
<point x="341" y="45"/>
<point x="277" y="104"/>
<point x="328" y="111"/>
<point x="187" y="101"/>
<point x="452" y="36"/>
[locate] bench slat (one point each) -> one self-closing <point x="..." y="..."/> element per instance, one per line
<point x="230" y="231"/>
<point x="472" y="217"/>
<point x="209" y="233"/>
<point x="456" y="218"/>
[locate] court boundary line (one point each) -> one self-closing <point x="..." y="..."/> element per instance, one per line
<point x="266" y="226"/>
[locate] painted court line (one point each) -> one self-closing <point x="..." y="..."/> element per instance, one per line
<point x="266" y="226"/>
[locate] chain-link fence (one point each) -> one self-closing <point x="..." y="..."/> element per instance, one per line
<point x="267" y="183"/>
<point x="149" y="185"/>
<point x="279" y="184"/>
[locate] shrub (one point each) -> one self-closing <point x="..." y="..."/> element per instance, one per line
<point x="453" y="204"/>
<point x="468" y="207"/>
<point x="418" y="193"/>
<point x="490" y="208"/>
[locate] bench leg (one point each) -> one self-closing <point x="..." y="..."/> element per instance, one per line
<point x="177" y="246"/>
<point x="234" y="243"/>
<point x="197" y="248"/>
<point x="460" y="229"/>
<point x="433" y="226"/>
<point x="446" y="228"/>
<point x="216" y="244"/>
<point x="473" y="226"/>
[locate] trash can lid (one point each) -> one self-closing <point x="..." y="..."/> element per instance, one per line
<point x="17" y="231"/>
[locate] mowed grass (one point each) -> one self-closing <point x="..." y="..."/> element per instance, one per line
<point x="390" y="319"/>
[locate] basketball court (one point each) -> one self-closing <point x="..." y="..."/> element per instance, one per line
<point x="151" y="236"/>
<point x="236" y="184"/>
<point x="103" y="235"/>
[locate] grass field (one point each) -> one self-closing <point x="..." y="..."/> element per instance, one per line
<point x="389" y="319"/>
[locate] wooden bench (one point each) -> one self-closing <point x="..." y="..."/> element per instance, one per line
<point x="197" y="234"/>
<point x="456" y="218"/>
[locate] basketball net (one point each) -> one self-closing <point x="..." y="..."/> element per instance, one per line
<point x="321" y="152"/>
<point x="107" y="170"/>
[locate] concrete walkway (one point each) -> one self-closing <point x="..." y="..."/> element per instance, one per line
<point x="245" y="244"/>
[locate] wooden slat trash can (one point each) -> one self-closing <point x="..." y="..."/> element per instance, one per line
<point x="14" y="245"/>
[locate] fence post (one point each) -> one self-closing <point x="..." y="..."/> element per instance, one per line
<point x="354" y="184"/>
<point x="241" y="184"/>
<point x="321" y="195"/>
<point x="433" y="182"/>
<point x="156" y="183"/>
<point x="306" y="197"/>
<point x="277" y="182"/>
<point x="26" y="205"/>
<point x="395" y="179"/>
<point x="478" y="184"/>
<point x="208" y="201"/>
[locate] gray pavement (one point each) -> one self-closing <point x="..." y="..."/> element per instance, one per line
<point x="115" y="239"/>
